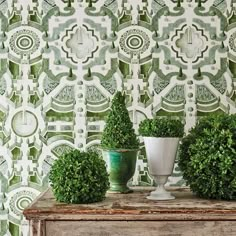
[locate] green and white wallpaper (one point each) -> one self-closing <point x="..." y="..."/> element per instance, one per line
<point x="62" y="61"/>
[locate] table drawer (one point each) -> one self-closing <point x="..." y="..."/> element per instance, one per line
<point x="140" y="228"/>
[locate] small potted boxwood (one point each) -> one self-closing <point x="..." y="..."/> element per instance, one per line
<point x="79" y="177"/>
<point x="161" y="138"/>
<point x="207" y="157"/>
<point x="119" y="145"/>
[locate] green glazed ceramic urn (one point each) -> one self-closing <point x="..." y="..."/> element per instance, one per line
<point x="121" y="167"/>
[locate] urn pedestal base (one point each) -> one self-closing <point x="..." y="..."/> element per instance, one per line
<point x="160" y="193"/>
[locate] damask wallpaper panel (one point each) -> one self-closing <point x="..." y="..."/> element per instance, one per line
<point x="62" y="61"/>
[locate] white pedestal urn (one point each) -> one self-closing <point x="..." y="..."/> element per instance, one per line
<point x="161" y="153"/>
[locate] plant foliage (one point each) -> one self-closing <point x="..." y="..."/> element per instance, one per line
<point x="161" y="127"/>
<point x="118" y="132"/>
<point x="79" y="177"/>
<point x="207" y="157"/>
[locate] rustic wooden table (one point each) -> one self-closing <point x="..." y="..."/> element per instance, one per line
<point x="132" y="214"/>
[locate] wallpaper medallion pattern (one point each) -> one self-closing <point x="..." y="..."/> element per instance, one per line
<point x="62" y="61"/>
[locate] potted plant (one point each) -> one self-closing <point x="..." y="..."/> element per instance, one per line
<point x="119" y="145"/>
<point x="207" y="157"/>
<point x="79" y="177"/>
<point x="161" y="139"/>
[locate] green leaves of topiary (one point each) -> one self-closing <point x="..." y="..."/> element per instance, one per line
<point x="161" y="127"/>
<point x="79" y="177"/>
<point x="207" y="157"/>
<point x="119" y="132"/>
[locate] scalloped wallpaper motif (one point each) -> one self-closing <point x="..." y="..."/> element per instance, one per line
<point x="62" y="61"/>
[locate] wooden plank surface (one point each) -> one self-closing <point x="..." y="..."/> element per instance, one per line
<point x="148" y="228"/>
<point x="134" y="206"/>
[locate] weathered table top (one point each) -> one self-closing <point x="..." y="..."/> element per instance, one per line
<point x="133" y="206"/>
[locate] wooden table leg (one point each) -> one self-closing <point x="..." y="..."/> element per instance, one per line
<point x="37" y="228"/>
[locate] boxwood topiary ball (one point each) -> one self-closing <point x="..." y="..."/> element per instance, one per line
<point x="207" y="157"/>
<point x="79" y="177"/>
<point x="161" y="127"/>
